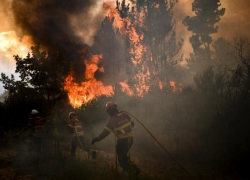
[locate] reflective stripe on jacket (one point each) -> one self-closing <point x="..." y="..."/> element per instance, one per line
<point x="120" y="124"/>
<point x="75" y="127"/>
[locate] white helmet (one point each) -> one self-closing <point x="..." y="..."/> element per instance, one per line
<point x="34" y="111"/>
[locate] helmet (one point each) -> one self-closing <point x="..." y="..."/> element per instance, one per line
<point x="111" y="105"/>
<point x="34" y="111"/>
<point x="71" y="113"/>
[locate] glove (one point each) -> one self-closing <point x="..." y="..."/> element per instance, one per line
<point x="94" y="140"/>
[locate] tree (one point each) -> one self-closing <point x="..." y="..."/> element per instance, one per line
<point x="41" y="81"/>
<point x="116" y="59"/>
<point x="222" y="56"/>
<point x="42" y="71"/>
<point x="227" y="95"/>
<point x="150" y="56"/>
<point x="202" y="25"/>
<point x="154" y="19"/>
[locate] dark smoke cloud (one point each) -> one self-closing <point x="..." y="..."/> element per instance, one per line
<point x="48" y="22"/>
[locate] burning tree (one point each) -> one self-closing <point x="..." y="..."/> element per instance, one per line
<point x="142" y="49"/>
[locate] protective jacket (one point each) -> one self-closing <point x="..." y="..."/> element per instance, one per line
<point x="75" y="127"/>
<point x="37" y="124"/>
<point x="120" y="124"/>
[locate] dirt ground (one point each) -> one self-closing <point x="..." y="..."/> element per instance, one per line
<point x="17" y="165"/>
<point x="152" y="167"/>
<point x="7" y="169"/>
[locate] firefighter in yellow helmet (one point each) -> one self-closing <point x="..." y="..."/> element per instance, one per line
<point x="121" y="125"/>
<point x="75" y="128"/>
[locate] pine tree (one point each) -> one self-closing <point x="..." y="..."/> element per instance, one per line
<point x="154" y="19"/>
<point x="202" y="25"/>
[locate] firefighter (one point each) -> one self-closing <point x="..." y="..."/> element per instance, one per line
<point x="37" y="126"/>
<point x="121" y="125"/>
<point x="75" y="128"/>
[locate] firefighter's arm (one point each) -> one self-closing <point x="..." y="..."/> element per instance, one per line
<point x="105" y="132"/>
<point x="46" y="121"/>
<point x="101" y="136"/>
<point x="70" y="127"/>
<point x="132" y="123"/>
<point x="29" y="124"/>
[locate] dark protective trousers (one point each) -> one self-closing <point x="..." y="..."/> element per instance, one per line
<point x="122" y="149"/>
<point x="35" y="143"/>
<point x="38" y="144"/>
<point x="78" y="141"/>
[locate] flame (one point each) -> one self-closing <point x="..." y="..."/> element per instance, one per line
<point x="126" y="28"/>
<point x="11" y="44"/>
<point x="141" y="85"/>
<point x="141" y="81"/>
<point x="160" y="84"/>
<point x="88" y="90"/>
<point x="126" y="89"/>
<point x="174" y="87"/>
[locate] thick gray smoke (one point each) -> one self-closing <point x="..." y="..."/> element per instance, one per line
<point x="49" y="22"/>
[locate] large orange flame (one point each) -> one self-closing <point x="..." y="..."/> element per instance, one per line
<point x="126" y="28"/>
<point x="141" y="82"/>
<point x="90" y="89"/>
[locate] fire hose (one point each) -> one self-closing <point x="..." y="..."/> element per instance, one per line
<point x="28" y="127"/>
<point x="182" y="167"/>
<point x="81" y="145"/>
<point x="20" y="131"/>
<point x="78" y="140"/>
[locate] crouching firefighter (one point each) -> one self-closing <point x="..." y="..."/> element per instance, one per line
<point x="75" y="128"/>
<point x="121" y="125"/>
<point x="37" y="126"/>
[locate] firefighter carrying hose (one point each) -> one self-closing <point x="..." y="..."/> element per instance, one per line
<point x="75" y="128"/>
<point x="37" y="126"/>
<point x="121" y="125"/>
